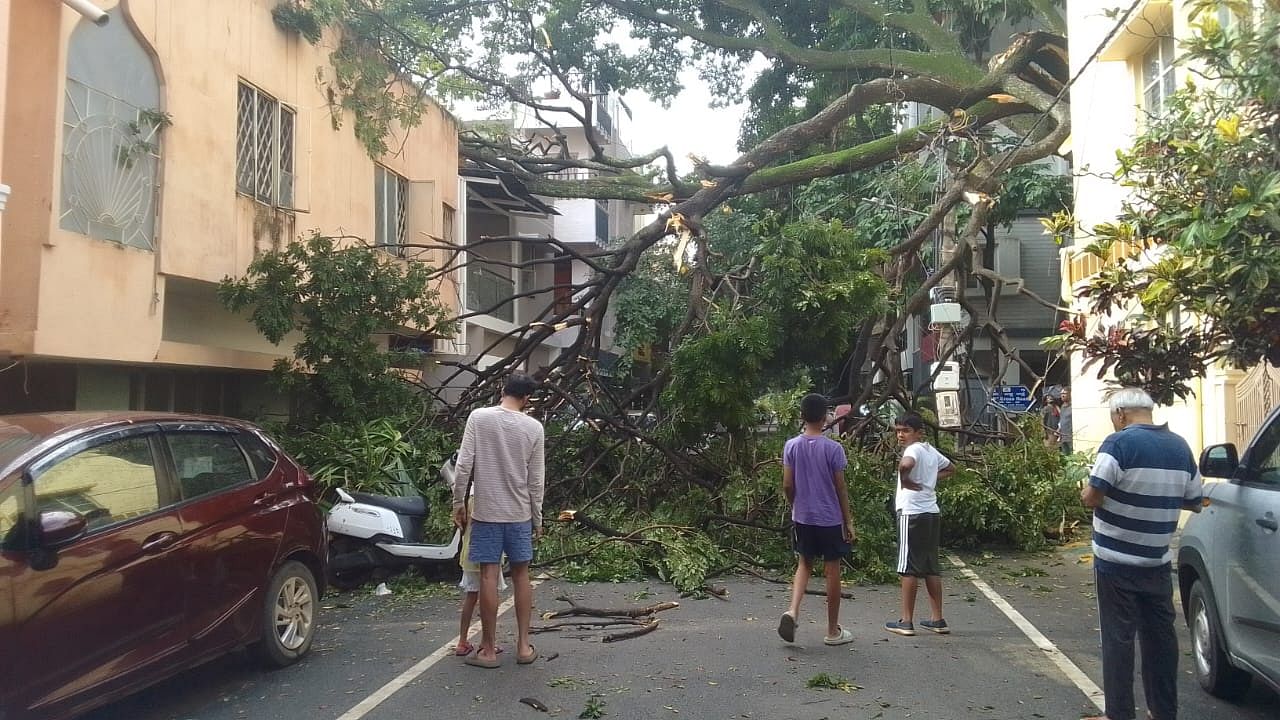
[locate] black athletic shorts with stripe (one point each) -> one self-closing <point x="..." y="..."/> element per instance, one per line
<point x="919" y="537"/>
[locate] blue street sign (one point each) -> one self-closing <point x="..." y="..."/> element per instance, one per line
<point x="1012" y="397"/>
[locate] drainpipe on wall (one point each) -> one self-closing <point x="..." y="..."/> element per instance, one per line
<point x="93" y="13"/>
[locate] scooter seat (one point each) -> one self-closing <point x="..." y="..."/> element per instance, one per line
<point x="400" y="505"/>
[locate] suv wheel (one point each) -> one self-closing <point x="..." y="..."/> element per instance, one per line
<point x="288" y="618"/>
<point x="1214" y="671"/>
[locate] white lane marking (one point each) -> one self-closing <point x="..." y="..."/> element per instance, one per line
<point x="1056" y="656"/>
<point x="381" y="694"/>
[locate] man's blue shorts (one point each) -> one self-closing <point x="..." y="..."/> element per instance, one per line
<point x="490" y="540"/>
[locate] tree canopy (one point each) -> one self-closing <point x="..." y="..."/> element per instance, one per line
<point x="826" y="126"/>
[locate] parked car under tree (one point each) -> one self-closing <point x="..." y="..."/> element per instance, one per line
<point x="136" y="545"/>
<point x="1229" y="567"/>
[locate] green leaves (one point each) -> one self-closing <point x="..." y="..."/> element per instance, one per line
<point x="337" y="303"/>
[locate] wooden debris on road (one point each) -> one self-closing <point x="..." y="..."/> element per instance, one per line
<point x="641" y="620"/>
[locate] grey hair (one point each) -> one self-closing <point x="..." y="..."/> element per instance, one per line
<point x="1130" y="398"/>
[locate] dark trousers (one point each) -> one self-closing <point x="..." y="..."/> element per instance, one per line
<point x="1138" y="601"/>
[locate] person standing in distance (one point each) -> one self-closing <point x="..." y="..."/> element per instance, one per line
<point x="1065" y="423"/>
<point x="1145" y="475"/>
<point x="502" y="456"/>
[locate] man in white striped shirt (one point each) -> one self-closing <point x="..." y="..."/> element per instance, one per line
<point x="502" y="456"/>
<point x="1144" y="477"/>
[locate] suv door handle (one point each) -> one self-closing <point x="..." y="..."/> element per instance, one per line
<point x="159" y="541"/>
<point x="1268" y="522"/>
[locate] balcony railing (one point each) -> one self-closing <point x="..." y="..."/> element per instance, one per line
<point x="573" y="174"/>
<point x="491" y="292"/>
<point x="1083" y="266"/>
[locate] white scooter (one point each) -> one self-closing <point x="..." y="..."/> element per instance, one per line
<point x="371" y="534"/>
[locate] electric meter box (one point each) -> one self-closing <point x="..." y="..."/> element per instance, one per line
<point x="949" y="409"/>
<point x="945" y="313"/>
<point x="946" y="376"/>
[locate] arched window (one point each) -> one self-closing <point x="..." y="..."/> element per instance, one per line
<point x="111" y="127"/>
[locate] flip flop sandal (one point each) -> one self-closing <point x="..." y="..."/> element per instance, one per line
<point x="843" y="638"/>
<point x="475" y="660"/>
<point x="528" y="660"/>
<point x="464" y="649"/>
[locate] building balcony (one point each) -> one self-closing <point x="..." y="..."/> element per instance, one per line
<point x="1079" y="266"/>
<point x="491" y="293"/>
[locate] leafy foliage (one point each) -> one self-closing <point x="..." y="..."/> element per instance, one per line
<point x="823" y="681"/>
<point x="1022" y="495"/>
<point x="340" y="300"/>
<point x="1204" y="184"/>
<point x="814" y="283"/>
<point x="1012" y="495"/>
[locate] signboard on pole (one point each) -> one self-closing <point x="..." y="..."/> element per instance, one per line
<point x="1015" y="398"/>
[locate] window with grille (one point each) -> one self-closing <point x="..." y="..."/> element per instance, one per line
<point x="112" y="123"/>
<point x="1158" y="82"/>
<point x="390" y="192"/>
<point x="448" y="224"/>
<point x="264" y="147"/>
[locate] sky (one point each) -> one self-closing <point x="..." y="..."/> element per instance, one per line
<point x="690" y="125"/>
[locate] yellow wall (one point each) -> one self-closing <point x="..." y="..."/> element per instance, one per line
<point x="66" y="295"/>
<point x="1105" y="118"/>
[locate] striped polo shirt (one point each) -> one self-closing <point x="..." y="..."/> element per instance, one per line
<point x="1148" y="473"/>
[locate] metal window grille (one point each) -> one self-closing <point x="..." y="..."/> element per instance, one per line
<point x="265" y="135"/>
<point x="390" y="200"/>
<point x="245" y="100"/>
<point x="264" y="150"/>
<point x="110" y="161"/>
<point x="285" y="195"/>
<point x="402" y="192"/>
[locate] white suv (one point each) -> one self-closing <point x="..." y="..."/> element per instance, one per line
<point x="1229" y="567"/>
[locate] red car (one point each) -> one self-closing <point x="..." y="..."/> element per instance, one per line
<point x="136" y="545"/>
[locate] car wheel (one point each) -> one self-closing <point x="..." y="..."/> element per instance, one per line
<point x="1214" y="671"/>
<point x="289" y="615"/>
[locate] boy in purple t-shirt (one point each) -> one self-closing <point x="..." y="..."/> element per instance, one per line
<point x="813" y="480"/>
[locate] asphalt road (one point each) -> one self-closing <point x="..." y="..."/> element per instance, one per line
<point x="708" y="659"/>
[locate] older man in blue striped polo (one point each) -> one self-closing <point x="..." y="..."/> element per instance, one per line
<point x="1144" y="477"/>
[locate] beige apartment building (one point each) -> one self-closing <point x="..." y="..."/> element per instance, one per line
<point x="1134" y="74"/>
<point x="150" y="157"/>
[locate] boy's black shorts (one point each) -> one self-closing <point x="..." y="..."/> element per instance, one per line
<point x="824" y="541"/>
<point x="919" y="537"/>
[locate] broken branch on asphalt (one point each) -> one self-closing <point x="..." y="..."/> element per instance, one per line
<point x="641" y="620"/>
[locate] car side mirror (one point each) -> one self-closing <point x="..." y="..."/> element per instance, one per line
<point x="1219" y="461"/>
<point x="59" y="527"/>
